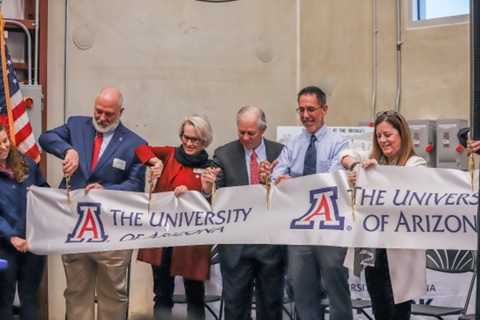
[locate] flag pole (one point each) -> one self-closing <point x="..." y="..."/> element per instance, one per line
<point x="13" y="112"/>
<point x="4" y="77"/>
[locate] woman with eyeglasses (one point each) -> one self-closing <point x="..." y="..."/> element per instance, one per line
<point x="179" y="169"/>
<point x="394" y="276"/>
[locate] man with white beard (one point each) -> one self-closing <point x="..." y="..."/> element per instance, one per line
<point x="97" y="153"/>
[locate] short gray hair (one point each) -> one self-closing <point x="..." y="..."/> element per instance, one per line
<point x="202" y="127"/>
<point x="262" y="119"/>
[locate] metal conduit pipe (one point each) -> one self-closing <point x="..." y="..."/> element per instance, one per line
<point x="29" y="47"/>
<point x="37" y="21"/>
<point x="375" y="31"/>
<point x="65" y="74"/>
<point x="298" y="51"/>
<point x="399" y="56"/>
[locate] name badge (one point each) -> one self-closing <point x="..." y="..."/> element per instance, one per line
<point x="198" y="170"/>
<point x="119" y="163"/>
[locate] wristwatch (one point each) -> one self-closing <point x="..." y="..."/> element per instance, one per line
<point x="354" y="165"/>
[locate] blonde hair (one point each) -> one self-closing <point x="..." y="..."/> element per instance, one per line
<point x="202" y="127"/>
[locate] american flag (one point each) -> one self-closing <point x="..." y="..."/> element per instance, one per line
<point x="12" y="106"/>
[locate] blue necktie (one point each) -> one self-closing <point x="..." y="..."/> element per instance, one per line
<point x="310" y="164"/>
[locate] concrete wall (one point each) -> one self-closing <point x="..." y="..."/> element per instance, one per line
<point x="172" y="58"/>
<point x="337" y="53"/>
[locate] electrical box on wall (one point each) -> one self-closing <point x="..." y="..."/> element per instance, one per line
<point x="32" y="94"/>
<point x="450" y="153"/>
<point x="365" y="124"/>
<point x="424" y="140"/>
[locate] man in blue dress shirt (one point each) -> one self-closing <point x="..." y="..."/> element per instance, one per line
<point x="312" y="267"/>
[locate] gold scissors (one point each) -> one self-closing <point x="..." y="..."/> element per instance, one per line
<point x="150" y="191"/>
<point x="471" y="163"/>
<point x="214" y="186"/>
<point x="268" y="185"/>
<point x="352" y="194"/>
<point x="69" y="188"/>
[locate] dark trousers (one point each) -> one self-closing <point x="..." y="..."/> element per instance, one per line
<point x="380" y="289"/>
<point x="260" y="267"/>
<point x="26" y="271"/>
<point x="164" y="286"/>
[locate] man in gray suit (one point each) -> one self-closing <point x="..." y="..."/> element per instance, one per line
<point x="244" y="267"/>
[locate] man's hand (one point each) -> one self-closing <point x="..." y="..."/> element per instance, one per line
<point x="472" y="146"/>
<point x="265" y="170"/>
<point x="93" y="186"/>
<point x="70" y="162"/>
<point x="281" y="178"/>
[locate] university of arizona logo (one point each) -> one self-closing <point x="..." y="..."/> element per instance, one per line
<point x="324" y="209"/>
<point x="89" y="226"/>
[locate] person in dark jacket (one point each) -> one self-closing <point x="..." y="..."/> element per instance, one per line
<point x="471" y="145"/>
<point x="25" y="269"/>
<point x="248" y="268"/>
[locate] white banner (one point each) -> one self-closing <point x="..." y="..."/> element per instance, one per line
<point x="396" y="207"/>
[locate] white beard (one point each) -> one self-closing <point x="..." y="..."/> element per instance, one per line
<point x="108" y="129"/>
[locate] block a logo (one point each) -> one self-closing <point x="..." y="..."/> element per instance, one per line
<point x="89" y="226"/>
<point x="324" y="209"/>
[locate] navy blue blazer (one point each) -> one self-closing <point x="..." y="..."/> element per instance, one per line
<point x="117" y="169"/>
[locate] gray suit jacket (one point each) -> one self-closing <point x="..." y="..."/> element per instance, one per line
<point x="231" y="159"/>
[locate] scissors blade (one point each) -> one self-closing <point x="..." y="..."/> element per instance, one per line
<point x="69" y="188"/>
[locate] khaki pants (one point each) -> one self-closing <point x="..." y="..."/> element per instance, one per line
<point x="100" y="274"/>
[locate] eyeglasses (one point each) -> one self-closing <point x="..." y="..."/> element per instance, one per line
<point x="307" y="109"/>
<point x="388" y="113"/>
<point x="194" y="140"/>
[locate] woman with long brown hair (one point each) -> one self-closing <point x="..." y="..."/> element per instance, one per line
<point x="394" y="276"/>
<point x="25" y="269"/>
